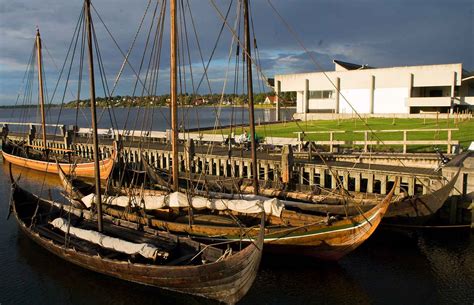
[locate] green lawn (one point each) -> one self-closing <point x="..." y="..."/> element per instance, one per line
<point x="465" y="134"/>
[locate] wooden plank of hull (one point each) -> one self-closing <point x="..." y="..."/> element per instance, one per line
<point x="331" y="245"/>
<point x="227" y="280"/>
<point x="81" y="169"/>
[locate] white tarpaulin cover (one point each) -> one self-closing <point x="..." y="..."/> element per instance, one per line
<point x="272" y="206"/>
<point x="119" y="245"/>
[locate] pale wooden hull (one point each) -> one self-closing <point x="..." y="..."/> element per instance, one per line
<point x="293" y="233"/>
<point x="85" y="170"/>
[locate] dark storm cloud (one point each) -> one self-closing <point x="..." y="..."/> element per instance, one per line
<point x="374" y="32"/>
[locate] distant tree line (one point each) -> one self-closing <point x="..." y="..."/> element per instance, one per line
<point x="286" y="98"/>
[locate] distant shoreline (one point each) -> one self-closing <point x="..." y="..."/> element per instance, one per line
<point x="258" y="106"/>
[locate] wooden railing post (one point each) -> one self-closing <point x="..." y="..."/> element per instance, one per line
<point x="449" y="142"/>
<point x="331" y="139"/>
<point x="404" y="141"/>
<point x="365" y="141"/>
<point x="299" y="141"/>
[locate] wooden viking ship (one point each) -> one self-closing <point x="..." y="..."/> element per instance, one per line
<point x="85" y="170"/>
<point x="43" y="158"/>
<point x="293" y="232"/>
<point x="181" y="264"/>
<point x="417" y="209"/>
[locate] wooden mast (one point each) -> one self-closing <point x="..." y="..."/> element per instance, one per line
<point x="94" y="117"/>
<point x="250" y="97"/>
<point x="174" y="96"/>
<point x="40" y="88"/>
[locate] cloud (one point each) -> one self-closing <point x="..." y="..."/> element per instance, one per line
<point x="375" y="32"/>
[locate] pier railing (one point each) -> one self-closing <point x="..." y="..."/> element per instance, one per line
<point x="371" y="139"/>
<point x="337" y="138"/>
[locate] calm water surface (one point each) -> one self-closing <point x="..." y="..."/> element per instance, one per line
<point x="391" y="268"/>
<point x="145" y="118"/>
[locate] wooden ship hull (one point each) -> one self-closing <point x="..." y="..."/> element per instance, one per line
<point x="293" y="232"/>
<point x="416" y="209"/>
<point x="85" y="170"/>
<point x="226" y="278"/>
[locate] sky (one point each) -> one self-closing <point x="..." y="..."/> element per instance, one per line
<point x="379" y="33"/>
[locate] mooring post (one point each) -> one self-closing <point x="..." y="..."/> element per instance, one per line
<point x="189" y="152"/>
<point x="383" y="185"/>
<point x="322" y="177"/>
<point x="357" y="182"/>
<point x="345" y="182"/>
<point x="286" y="163"/>
<point x="370" y="183"/>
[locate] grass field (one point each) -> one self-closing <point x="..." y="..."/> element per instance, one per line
<point x="465" y="132"/>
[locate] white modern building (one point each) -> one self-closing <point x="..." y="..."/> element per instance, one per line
<point x="380" y="91"/>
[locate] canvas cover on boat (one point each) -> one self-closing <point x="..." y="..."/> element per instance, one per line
<point x="271" y="206"/>
<point x="117" y="244"/>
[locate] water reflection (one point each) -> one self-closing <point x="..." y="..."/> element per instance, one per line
<point x="451" y="262"/>
<point x="287" y="279"/>
<point x="45" y="185"/>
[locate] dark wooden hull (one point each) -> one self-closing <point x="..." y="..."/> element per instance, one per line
<point x="419" y="209"/>
<point x="227" y="280"/>
<point x="414" y="209"/>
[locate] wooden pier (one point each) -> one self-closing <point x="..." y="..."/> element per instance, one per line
<point x="371" y="173"/>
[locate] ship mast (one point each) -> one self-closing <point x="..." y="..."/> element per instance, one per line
<point x="94" y="116"/>
<point x="174" y="96"/>
<point x="40" y="88"/>
<point x="253" y="146"/>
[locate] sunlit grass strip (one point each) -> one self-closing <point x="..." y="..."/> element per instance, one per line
<point x="465" y="132"/>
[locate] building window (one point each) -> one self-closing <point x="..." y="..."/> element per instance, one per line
<point x="436" y="93"/>
<point x="324" y="94"/>
<point x="470" y="90"/>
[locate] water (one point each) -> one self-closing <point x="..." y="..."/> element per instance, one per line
<point x="145" y="118"/>
<point x="390" y="268"/>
